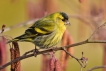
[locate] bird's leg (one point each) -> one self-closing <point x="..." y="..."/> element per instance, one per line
<point x="35" y="51"/>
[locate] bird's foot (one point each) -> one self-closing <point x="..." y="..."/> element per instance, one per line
<point x="35" y="52"/>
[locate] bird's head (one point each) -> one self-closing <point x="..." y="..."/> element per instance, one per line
<point x="60" y="16"/>
<point x="64" y="17"/>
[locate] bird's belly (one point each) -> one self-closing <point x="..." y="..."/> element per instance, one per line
<point x="47" y="41"/>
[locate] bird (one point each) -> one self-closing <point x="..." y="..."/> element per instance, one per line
<point x="45" y="32"/>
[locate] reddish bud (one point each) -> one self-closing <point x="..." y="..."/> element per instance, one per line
<point x="67" y="40"/>
<point x="52" y="63"/>
<point x="44" y="63"/>
<point x="3" y="53"/>
<point x="58" y="65"/>
<point x="15" y="53"/>
<point x="3" y="26"/>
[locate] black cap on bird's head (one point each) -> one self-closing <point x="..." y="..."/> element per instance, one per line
<point x="64" y="15"/>
<point x="65" y="18"/>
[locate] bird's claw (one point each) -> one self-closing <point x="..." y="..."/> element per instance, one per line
<point x="35" y="52"/>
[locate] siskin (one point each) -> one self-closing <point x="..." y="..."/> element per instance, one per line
<point x="46" y="32"/>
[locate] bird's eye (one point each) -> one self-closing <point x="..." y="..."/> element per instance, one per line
<point x="63" y="19"/>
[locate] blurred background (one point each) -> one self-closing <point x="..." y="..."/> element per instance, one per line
<point x="85" y="17"/>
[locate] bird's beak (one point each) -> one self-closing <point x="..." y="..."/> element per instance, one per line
<point x="67" y="22"/>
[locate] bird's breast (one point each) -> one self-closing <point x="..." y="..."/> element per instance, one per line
<point x="48" y="41"/>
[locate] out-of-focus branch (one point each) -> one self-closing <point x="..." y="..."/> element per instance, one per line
<point x="19" y="25"/>
<point x="77" y="16"/>
<point x="30" y="22"/>
<point x="83" y="19"/>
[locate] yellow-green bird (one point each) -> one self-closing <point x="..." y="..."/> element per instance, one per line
<point x="46" y="32"/>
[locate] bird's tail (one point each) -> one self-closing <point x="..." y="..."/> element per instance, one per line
<point x="17" y="38"/>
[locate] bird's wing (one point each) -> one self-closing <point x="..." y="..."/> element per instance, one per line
<point x="39" y="28"/>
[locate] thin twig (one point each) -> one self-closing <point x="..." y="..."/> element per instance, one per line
<point x="97" y="30"/>
<point x="73" y="57"/>
<point x="69" y="54"/>
<point x="96" y="67"/>
<point x="81" y="61"/>
<point x="97" y="41"/>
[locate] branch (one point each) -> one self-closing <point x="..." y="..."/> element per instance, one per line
<point x="96" y="67"/>
<point x="42" y="52"/>
<point x="26" y="55"/>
